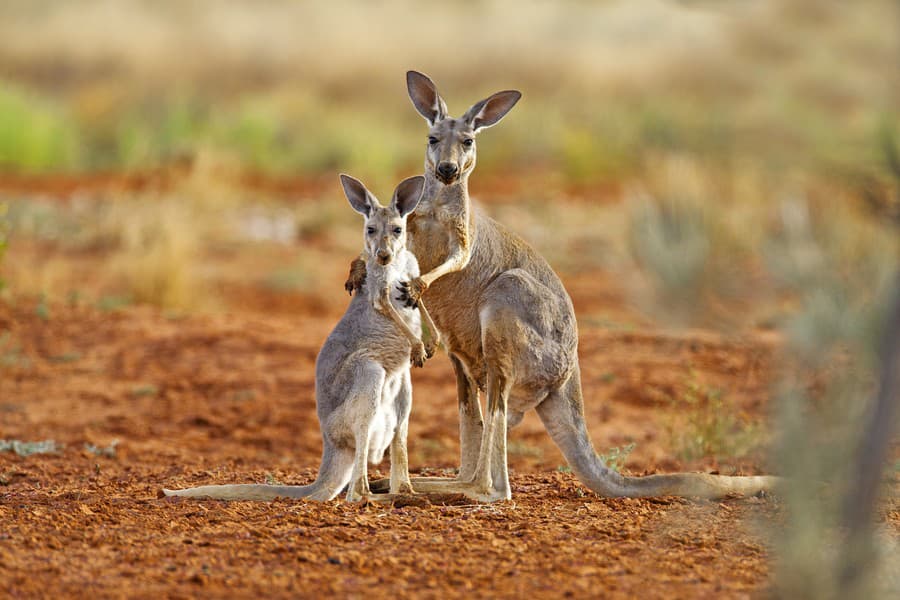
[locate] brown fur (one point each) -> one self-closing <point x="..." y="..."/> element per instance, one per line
<point x="508" y="325"/>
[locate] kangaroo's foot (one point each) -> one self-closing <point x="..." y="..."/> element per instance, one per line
<point x="386" y="498"/>
<point x="383" y="486"/>
<point x="471" y="489"/>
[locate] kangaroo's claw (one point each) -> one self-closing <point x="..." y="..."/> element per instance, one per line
<point x="413" y="290"/>
<point x="418" y="355"/>
<point x="404" y="295"/>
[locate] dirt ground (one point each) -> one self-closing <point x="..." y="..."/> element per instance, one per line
<point x="228" y="397"/>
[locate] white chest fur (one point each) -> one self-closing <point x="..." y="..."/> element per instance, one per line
<point x="388" y="277"/>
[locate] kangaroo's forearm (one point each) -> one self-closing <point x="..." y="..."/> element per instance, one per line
<point x="357" y="276"/>
<point x="459" y="257"/>
<point x="384" y="306"/>
<point x="423" y="312"/>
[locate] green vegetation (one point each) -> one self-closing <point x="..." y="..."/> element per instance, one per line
<point x="792" y="85"/>
<point x="28" y="448"/>
<point x="615" y="457"/>
<point x="144" y="390"/>
<point x="281" y="134"/>
<point x="36" y="133"/>
<point x="710" y="426"/>
<point x="42" y="310"/>
<point x="11" y="354"/>
<point x="520" y="448"/>
<point x="107" y="451"/>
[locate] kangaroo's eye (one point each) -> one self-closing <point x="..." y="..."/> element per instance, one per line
<point x="370" y="230"/>
<point x="432" y="140"/>
<point x="397" y="231"/>
<point x="468" y="142"/>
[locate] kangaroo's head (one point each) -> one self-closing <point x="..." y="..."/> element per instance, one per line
<point x="451" y="142"/>
<point x="385" y="229"/>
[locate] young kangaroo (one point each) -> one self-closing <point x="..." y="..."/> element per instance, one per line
<point x="508" y="324"/>
<point x="363" y="389"/>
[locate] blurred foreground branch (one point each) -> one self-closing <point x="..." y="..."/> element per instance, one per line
<point x="859" y="504"/>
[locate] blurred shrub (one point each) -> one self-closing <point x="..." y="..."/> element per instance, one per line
<point x="828" y="269"/>
<point x="36" y="135"/>
<point x="839" y="269"/>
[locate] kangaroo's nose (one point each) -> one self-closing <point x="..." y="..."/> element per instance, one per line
<point x="447" y="169"/>
<point x="384" y="256"/>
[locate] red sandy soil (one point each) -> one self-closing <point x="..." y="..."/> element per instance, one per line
<point x="216" y="399"/>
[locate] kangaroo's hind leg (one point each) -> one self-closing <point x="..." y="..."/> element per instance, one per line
<point x="400" y="483"/>
<point x="471" y="421"/>
<point x="358" y="414"/>
<point x="489" y="480"/>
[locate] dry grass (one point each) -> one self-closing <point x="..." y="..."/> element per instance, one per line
<point x="289" y="87"/>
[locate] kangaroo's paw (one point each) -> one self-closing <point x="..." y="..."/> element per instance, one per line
<point x="418" y="355"/>
<point x="411" y="291"/>
<point x="430" y="348"/>
<point x="404" y="297"/>
<point x="357" y="277"/>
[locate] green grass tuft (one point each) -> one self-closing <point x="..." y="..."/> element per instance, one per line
<point x="615" y="457"/>
<point x="710" y="426"/>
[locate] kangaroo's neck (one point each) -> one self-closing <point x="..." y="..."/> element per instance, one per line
<point x="439" y="194"/>
<point x="377" y="277"/>
<point x="381" y="277"/>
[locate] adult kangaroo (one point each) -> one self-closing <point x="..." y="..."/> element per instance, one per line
<point x="507" y="323"/>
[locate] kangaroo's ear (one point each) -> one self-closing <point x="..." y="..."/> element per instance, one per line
<point x="408" y="194"/>
<point x="490" y="110"/>
<point x="360" y="198"/>
<point x="425" y="97"/>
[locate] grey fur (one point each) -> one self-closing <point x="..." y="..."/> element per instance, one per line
<point x="363" y="388"/>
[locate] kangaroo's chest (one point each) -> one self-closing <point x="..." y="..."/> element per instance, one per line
<point x="403" y="269"/>
<point x="430" y="235"/>
<point x="409" y="315"/>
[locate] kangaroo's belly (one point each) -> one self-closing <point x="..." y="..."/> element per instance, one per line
<point x="506" y="281"/>
<point x="383" y="427"/>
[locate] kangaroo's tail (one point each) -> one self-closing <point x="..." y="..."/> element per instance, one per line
<point x="334" y="474"/>
<point x="563" y="415"/>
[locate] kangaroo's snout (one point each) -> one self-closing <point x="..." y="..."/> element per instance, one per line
<point x="384" y="256"/>
<point x="447" y="171"/>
